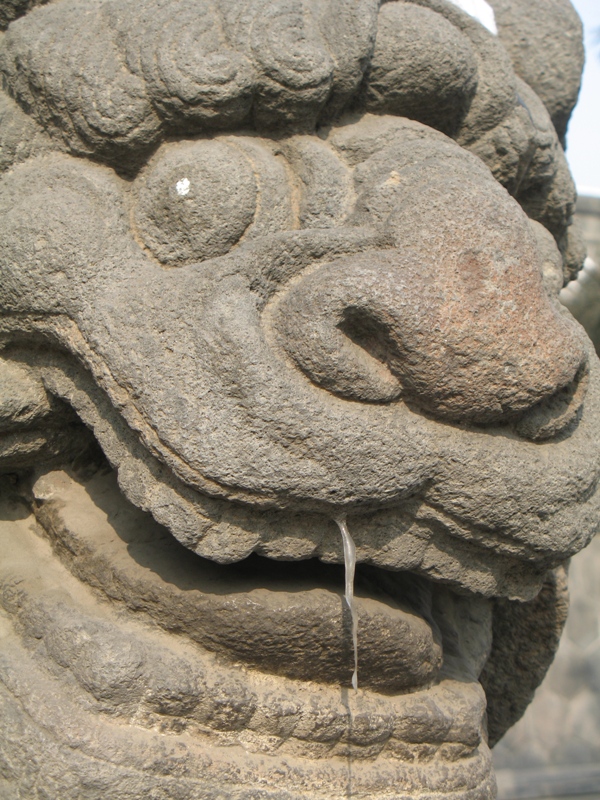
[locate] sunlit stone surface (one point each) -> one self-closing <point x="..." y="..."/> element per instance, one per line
<point x="265" y="266"/>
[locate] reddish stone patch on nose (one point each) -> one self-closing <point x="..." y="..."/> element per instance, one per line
<point x="456" y="322"/>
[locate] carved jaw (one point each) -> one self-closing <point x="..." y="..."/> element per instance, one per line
<point x="173" y="653"/>
<point x="220" y="668"/>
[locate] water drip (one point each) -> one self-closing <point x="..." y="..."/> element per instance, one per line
<point x="350" y="564"/>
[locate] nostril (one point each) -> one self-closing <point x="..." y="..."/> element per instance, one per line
<point x="550" y="417"/>
<point x="334" y="330"/>
<point x="367" y="331"/>
<point x="377" y="327"/>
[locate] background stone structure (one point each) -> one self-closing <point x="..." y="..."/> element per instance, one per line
<point x="555" y="749"/>
<point x="582" y="296"/>
<point x="588" y="216"/>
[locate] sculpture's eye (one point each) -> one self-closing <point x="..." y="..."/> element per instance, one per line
<point x="195" y="201"/>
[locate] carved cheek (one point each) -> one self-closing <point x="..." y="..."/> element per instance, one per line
<point x="64" y="227"/>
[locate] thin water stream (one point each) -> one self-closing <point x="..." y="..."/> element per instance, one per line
<point x="350" y="564"/>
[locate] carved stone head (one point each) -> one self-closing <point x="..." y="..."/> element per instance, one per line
<point x="265" y="264"/>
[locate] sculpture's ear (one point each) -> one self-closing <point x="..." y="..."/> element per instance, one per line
<point x="544" y="39"/>
<point x="62" y="222"/>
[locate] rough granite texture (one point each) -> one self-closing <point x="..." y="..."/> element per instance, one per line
<point x="265" y="266"/>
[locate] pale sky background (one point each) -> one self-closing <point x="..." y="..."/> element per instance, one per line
<point x="583" y="137"/>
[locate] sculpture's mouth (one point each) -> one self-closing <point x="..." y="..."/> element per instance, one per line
<point x="484" y="510"/>
<point x="288" y="618"/>
<point x="274" y="638"/>
<point x="255" y="657"/>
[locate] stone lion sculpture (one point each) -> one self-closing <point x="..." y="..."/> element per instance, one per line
<point x="265" y="265"/>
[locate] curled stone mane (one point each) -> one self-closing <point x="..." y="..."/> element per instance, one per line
<point x="112" y="80"/>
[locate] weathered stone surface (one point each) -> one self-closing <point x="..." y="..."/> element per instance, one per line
<point x="289" y="263"/>
<point x="422" y="67"/>
<point x="98" y="665"/>
<point x="11" y="9"/>
<point x="291" y="622"/>
<point x="555" y="748"/>
<point x="519" y="658"/>
<point x="544" y="41"/>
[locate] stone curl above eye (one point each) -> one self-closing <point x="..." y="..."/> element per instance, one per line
<point x="422" y="67"/>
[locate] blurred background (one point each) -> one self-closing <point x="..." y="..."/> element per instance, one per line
<point x="583" y="142"/>
<point x="554" y="751"/>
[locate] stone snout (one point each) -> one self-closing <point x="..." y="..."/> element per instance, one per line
<point x="460" y="338"/>
<point x="452" y="320"/>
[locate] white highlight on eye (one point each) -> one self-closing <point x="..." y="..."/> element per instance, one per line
<point x="481" y="11"/>
<point x="182" y="187"/>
